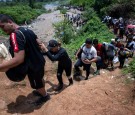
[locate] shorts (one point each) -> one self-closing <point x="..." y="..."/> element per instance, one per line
<point x="67" y="67"/>
<point x="36" y="78"/>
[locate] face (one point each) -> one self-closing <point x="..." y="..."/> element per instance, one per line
<point x="55" y="49"/>
<point x="88" y="45"/>
<point x="7" y="27"/>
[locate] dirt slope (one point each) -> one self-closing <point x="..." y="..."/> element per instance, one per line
<point x="107" y="94"/>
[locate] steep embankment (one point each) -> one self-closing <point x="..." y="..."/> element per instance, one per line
<point x="107" y="94"/>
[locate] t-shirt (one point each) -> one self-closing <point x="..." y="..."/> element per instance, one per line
<point x="88" y="53"/>
<point x="99" y="49"/>
<point x="25" y="39"/>
<point x="110" y="49"/>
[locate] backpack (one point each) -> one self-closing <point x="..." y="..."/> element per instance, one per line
<point x="19" y="72"/>
<point x="81" y="50"/>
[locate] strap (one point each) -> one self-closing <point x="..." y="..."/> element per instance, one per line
<point x="22" y="35"/>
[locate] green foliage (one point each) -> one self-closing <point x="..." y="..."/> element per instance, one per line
<point x="94" y="28"/>
<point x="20" y="13"/>
<point x="131" y="68"/>
<point x="82" y="2"/>
<point x="64" y="31"/>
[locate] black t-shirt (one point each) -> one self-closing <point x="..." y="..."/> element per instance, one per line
<point x="25" y="39"/>
<point x="60" y="56"/>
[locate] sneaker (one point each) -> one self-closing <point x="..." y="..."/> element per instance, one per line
<point x="42" y="100"/>
<point x="59" y="87"/>
<point x="36" y="93"/>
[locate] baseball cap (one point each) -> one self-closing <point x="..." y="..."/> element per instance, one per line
<point x="52" y="44"/>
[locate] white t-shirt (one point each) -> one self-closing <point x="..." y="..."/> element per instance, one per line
<point x="88" y="53"/>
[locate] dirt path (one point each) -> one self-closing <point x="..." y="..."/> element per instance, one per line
<point x="111" y="93"/>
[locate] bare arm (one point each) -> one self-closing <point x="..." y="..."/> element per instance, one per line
<point x="15" y="61"/>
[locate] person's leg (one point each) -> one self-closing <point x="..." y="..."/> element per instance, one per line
<point x="68" y="70"/>
<point x="111" y="62"/>
<point x="76" y="66"/>
<point x="98" y="65"/>
<point x="37" y="82"/>
<point x="59" y="78"/>
<point x="87" y="66"/>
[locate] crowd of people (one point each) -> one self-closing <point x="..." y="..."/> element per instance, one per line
<point x="75" y="16"/>
<point x="28" y="57"/>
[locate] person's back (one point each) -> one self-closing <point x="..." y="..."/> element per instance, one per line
<point x="33" y="56"/>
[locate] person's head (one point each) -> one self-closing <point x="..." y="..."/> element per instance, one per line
<point x="88" y="43"/>
<point x="95" y="42"/>
<point x="7" y="23"/>
<point x="53" y="46"/>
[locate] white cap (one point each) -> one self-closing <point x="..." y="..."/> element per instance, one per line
<point x="134" y="38"/>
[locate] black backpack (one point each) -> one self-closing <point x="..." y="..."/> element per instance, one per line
<point x="81" y="50"/>
<point x="19" y="72"/>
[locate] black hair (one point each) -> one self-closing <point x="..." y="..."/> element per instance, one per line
<point x="95" y="41"/>
<point x="88" y="41"/>
<point x="5" y="18"/>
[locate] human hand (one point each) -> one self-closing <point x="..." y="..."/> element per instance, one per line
<point x="43" y="47"/>
<point x="86" y="61"/>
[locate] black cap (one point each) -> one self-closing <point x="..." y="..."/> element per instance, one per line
<point x="52" y="44"/>
<point x="88" y="41"/>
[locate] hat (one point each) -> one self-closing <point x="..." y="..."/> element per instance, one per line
<point x="134" y="38"/>
<point x="52" y="44"/>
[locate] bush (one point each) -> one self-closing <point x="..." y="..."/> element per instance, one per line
<point x="131" y="68"/>
<point x="20" y="13"/>
<point x="64" y="31"/>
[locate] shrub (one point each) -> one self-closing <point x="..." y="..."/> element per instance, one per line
<point x="64" y="31"/>
<point x="20" y="13"/>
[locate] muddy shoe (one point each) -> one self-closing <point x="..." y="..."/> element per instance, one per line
<point x="59" y="87"/>
<point x="42" y="100"/>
